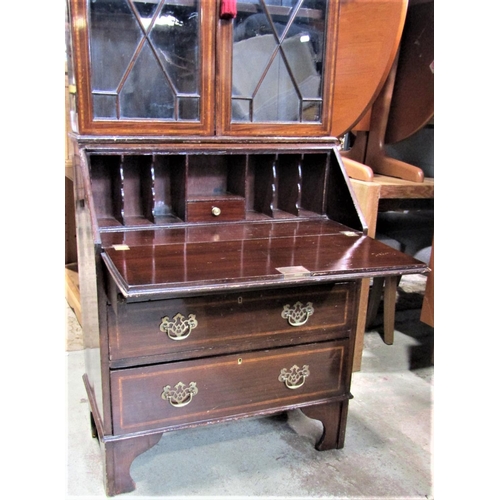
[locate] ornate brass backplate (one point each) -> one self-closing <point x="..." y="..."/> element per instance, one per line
<point x="298" y="314"/>
<point x="295" y="377"/>
<point x="180" y="395"/>
<point x="180" y="327"/>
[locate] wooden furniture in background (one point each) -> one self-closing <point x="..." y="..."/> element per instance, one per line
<point x="382" y="193"/>
<point x="427" y="314"/>
<point x="412" y="101"/>
<point x="368" y="42"/>
<point x="70" y="227"/>
<point x="72" y="292"/>
<point x="409" y="113"/>
<point x="404" y="105"/>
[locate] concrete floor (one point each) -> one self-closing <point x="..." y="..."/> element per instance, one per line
<point x="387" y="453"/>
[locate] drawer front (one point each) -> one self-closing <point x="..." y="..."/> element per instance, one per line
<point x="197" y="391"/>
<point x="216" y="210"/>
<point x="182" y="328"/>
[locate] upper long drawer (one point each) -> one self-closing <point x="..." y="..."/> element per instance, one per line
<point x="186" y="327"/>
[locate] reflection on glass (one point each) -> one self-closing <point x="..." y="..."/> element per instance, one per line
<point x="277" y="60"/>
<point x="145" y="59"/>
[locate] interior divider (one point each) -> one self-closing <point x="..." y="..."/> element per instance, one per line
<point x="265" y="184"/>
<point x="117" y="194"/>
<point x="289" y="174"/>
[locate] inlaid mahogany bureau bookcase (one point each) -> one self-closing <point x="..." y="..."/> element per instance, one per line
<point x="220" y="247"/>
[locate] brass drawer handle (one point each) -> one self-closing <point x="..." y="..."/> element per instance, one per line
<point x="181" y="395"/>
<point x="180" y="327"/>
<point x="295" y="377"/>
<point x="216" y="211"/>
<point x="298" y="314"/>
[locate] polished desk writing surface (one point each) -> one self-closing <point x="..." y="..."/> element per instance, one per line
<point x="162" y="261"/>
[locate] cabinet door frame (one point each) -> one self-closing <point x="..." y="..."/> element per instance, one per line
<point x="87" y="124"/>
<point x="224" y="125"/>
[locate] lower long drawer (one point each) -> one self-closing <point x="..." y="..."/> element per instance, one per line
<point x="201" y="390"/>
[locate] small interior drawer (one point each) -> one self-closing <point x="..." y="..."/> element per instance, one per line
<point x="202" y="390"/>
<point x="215" y="324"/>
<point x="217" y="209"/>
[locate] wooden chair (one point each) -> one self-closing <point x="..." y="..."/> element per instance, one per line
<point x="368" y="41"/>
<point x="404" y="105"/>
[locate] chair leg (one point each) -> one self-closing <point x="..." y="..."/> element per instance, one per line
<point x="390" y="289"/>
<point x="388" y="286"/>
<point x="374" y="300"/>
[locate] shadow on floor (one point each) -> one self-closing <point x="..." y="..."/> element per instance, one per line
<point x="407" y="321"/>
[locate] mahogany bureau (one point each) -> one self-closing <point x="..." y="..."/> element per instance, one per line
<point x="220" y="254"/>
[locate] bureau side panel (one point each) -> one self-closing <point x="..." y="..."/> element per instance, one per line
<point x="92" y="299"/>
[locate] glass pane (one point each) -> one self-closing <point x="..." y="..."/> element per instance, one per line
<point x="114" y="35"/>
<point x="189" y="108"/>
<point x="276" y="98"/>
<point x="154" y="100"/>
<point x="277" y="60"/>
<point x="175" y="38"/>
<point x="146" y="55"/>
<point x="241" y="110"/>
<point x="105" y="106"/>
<point x="311" y="111"/>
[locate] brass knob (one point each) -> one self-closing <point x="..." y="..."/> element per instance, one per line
<point x="216" y="211"/>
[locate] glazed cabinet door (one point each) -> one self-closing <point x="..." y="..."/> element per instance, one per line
<point x="143" y="67"/>
<point x="277" y="68"/>
<point x="176" y="67"/>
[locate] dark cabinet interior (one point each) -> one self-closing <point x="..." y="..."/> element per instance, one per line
<point x="195" y="187"/>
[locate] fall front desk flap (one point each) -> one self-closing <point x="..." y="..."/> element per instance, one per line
<point x="150" y="264"/>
